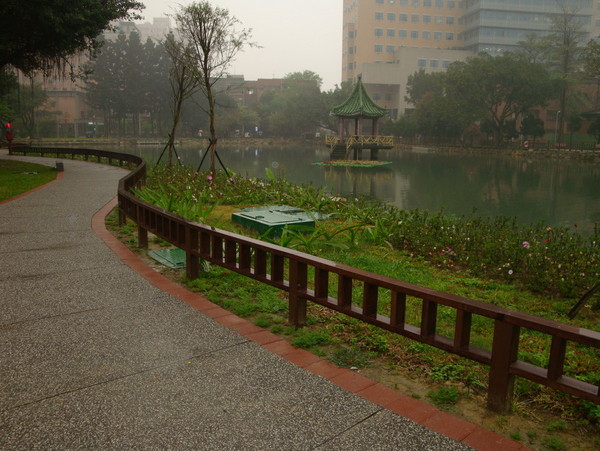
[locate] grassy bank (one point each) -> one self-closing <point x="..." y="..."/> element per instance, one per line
<point x="17" y="177"/>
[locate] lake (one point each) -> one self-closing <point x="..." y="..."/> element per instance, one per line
<point x="558" y="192"/>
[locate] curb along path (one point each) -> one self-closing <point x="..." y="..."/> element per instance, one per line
<point x="94" y="356"/>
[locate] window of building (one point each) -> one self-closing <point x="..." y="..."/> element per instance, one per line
<point x="450" y="20"/>
<point x="378" y="31"/>
<point x="402" y="33"/>
<point x="378" y="48"/>
<point x="391" y="16"/>
<point x="391" y="2"/>
<point x="350" y="50"/>
<point x="403" y="17"/>
<point x="391" y="33"/>
<point x="426" y="34"/>
<point x="438" y="19"/>
<point x="376" y="96"/>
<point x="421" y="62"/>
<point x="414" y="34"/>
<point x="389" y="49"/>
<point x="426" y="18"/>
<point x="379" y="1"/>
<point x="388" y="97"/>
<point x="450" y="4"/>
<point x="403" y="2"/>
<point x="427" y="3"/>
<point x="437" y="35"/>
<point x="378" y="16"/>
<point x="415" y="3"/>
<point x="439" y="3"/>
<point x="433" y="63"/>
<point x="449" y="36"/>
<point x="445" y="64"/>
<point x="414" y="18"/>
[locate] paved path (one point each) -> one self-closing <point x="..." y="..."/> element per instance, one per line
<point x="94" y="355"/>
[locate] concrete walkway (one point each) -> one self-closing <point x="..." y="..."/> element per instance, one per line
<point x="98" y="351"/>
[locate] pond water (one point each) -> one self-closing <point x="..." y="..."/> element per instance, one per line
<point x="559" y="192"/>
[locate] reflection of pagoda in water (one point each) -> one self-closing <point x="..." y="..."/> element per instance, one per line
<point x="377" y="183"/>
<point x="358" y="110"/>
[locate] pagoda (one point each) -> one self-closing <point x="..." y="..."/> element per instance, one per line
<point x="354" y="113"/>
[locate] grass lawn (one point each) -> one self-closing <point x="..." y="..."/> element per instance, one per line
<point x="17" y="177"/>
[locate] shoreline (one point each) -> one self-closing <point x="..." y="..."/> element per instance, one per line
<point x="581" y="154"/>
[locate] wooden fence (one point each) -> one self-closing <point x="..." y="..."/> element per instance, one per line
<point x="358" y="293"/>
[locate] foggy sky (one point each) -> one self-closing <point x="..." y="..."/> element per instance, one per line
<point x="295" y="35"/>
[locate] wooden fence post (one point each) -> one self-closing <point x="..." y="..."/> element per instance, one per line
<point x="504" y="353"/>
<point x="297" y="305"/>
<point x="192" y="262"/>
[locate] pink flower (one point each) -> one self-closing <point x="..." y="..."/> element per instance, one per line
<point x="510" y="272"/>
<point x="548" y="229"/>
<point x="526" y="244"/>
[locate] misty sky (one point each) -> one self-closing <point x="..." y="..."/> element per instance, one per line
<point x="294" y="35"/>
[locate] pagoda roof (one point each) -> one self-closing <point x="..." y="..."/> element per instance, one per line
<point x="359" y="104"/>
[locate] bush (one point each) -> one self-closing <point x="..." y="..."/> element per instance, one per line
<point x="542" y="259"/>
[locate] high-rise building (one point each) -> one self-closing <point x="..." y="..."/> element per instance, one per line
<point x="494" y="26"/>
<point x="387" y="40"/>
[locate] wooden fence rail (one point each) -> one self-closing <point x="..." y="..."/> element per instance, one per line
<point x="358" y="294"/>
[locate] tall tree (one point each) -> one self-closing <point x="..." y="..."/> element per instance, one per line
<point x="501" y="88"/>
<point x="29" y="98"/>
<point x="215" y="41"/>
<point x="183" y="85"/>
<point x="563" y="54"/>
<point x="157" y="66"/>
<point x="38" y="34"/>
<point x="300" y="99"/>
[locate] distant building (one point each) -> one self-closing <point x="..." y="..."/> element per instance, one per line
<point x="387" y="40"/>
<point x="67" y="98"/>
<point x="155" y="30"/>
<point x="494" y="26"/>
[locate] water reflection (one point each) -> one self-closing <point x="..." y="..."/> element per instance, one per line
<point x="557" y="192"/>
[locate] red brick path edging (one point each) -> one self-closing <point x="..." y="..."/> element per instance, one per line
<point x="406" y="406"/>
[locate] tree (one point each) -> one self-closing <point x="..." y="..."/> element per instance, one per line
<point x="157" y="66"/>
<point x="532" y="126"/>
<point x="8" y="84"/>
<point x="183" y="85"/>
<point x="591" y="59"/>
<point x="38" y="34"/>
<point x="591" y="62"/>
<point x="421" y="84"/>
<point x="498" y="89"/>
<point x="594" y="129"/>
<point x="298" y="108"/>
<point x="27" y="99"/>
<point x="563" y="52"/>
<point x="214" y="42"/>
<point x="574" y="123"/>
<point x="436" y="114"/>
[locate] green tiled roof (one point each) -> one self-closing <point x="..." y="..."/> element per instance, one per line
<point x="359" y="104"/>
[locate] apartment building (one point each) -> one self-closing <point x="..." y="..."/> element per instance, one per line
<point x="388" y="40"/>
